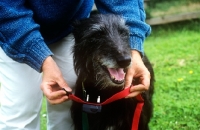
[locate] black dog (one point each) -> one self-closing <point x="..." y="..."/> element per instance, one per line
<point x="101" y="58"/>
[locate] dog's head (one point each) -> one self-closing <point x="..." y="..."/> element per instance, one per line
<point x="102" y="50"/>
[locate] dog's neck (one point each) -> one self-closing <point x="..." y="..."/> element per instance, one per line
<point x="93" y="90"/>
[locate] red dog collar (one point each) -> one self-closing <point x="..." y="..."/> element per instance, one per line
<point x="115" y="97"/>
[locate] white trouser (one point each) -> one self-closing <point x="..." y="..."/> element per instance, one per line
<point x="21" y="96"/>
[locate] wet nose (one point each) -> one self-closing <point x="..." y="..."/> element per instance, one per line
<point x="124" y="61"/>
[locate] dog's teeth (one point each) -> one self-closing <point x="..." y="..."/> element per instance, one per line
<point x="113" y="77"/>
<point x="118" y="81"/>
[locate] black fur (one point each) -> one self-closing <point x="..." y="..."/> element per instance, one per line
<point x="102" y="41"/>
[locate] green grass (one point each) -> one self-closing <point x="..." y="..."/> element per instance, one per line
<point x="43" y="114"/>
<point x="174" y="51"/>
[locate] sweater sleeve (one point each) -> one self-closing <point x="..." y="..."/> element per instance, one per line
<point x="19" y="34"/>
<point x="133" y="12"/>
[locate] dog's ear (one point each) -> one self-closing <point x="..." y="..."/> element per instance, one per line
<point x="79" y="24"/>
<point x="76" y="23"/>
<point x="79" y="28"/>
<point x="76" y="29"/>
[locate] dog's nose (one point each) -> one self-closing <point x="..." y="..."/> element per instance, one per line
<point x="124" y="61"/>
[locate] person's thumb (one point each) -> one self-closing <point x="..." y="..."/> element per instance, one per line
<point x="63" y="84"/>
<point x="129" y="79"/>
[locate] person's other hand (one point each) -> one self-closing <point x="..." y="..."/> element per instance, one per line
<point x="137" y="70"/>
<point x="53" y="82"/>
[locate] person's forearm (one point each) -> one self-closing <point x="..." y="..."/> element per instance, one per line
<point x="22" y="41"/>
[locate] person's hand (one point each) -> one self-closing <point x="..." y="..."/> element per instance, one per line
<point x="137" y="70"/>
<point x="53" y="82"/>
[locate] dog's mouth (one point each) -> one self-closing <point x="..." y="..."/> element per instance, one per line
<point x="117" y="75"/>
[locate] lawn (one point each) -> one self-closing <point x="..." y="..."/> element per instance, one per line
<point x="174" y="51"/>
<point x="43" y="115"/>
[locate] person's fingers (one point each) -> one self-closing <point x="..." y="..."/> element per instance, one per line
<point x="146" y="82"/>
<point x="58" y="101"/>
<point x="133" y="94"/>
<point x="128" y="79"/>
<point x="137" y="89"/>
<point x="62" y="84"/>
<point x="53" y="93"/>
<point x="56" y="97"/>
<point x="143" y="86"/>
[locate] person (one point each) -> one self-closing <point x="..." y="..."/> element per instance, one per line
<point x="36" y="58"/>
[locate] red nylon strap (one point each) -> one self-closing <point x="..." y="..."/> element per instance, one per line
<point x="115" y="97"/>
<point x="138" y="110"/>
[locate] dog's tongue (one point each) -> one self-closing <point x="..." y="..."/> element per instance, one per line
<point x="118" y="73"/>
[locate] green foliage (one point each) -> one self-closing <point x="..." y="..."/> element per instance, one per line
<point x="153" y="3"/>
<point x="174" y="51"/>
<point x="157" y="8"/>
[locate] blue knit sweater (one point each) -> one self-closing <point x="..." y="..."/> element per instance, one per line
<point x="28" y="26"/>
